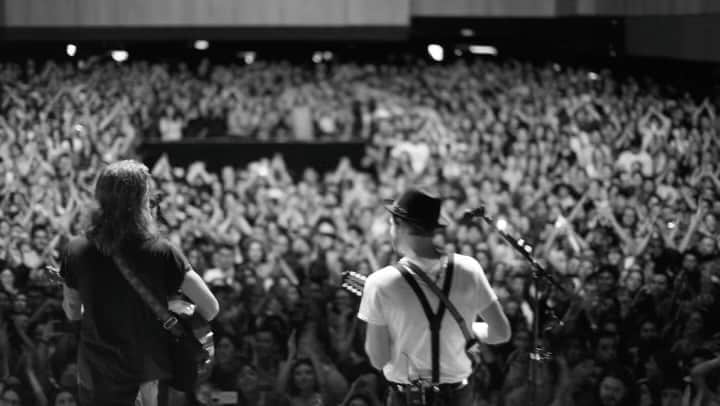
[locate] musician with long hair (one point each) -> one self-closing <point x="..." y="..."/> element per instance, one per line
<point x="124" y="350"/>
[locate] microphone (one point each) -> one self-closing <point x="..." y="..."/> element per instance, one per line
<point x="470" y="215"/>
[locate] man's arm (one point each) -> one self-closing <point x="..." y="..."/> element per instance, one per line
<point x="197" y="291"/>
<point x="377" y="339"/>
<point x="496" y="327"/>
<point x="377" y="345"/>
<point x="71" y="303"/>
<point x="699" y="374"/>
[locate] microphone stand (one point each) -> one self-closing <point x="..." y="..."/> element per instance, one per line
<point x="539" y="353"/>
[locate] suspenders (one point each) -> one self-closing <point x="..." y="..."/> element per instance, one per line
<point x="434" y="319"/>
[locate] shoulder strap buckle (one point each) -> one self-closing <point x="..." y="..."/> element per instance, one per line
<point x="170" y="323"/>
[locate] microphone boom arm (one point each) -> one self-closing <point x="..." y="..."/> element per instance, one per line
<point x="539" y="354"/>
<point x="538" y="269"/>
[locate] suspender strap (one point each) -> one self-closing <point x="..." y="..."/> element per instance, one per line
<point x="470" y="338"/>
<point x="434" y="319"/>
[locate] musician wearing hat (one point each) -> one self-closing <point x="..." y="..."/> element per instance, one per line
<point x="413" y="335"/>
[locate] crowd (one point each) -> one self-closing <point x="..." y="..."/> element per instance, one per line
<point x="612" y="181"/>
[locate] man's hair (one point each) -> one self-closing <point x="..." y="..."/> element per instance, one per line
<point x="293" y="390"/>
<point x="414" y="228"/>
<point x="121" y="214"/>
<point x="620" y="373"/>
<point x="38" y="227"/>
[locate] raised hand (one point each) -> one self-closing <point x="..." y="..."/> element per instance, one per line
<point x="292" y="345"/>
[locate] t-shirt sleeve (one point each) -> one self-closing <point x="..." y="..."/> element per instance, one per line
<point x="485" y="294"/>
<point x="371" y="307"/>
<point x="68" y="273"/>
<point x="177" y="267"/>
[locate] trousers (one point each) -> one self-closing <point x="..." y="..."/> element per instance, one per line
<point x="460" y="397"/>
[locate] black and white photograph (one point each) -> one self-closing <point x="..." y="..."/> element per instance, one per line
<point x="359" y="203"/>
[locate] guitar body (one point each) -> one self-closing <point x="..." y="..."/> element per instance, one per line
<point x="191" y="353"/>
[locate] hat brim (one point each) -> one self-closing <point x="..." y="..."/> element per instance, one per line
<point x="390" y="207"/>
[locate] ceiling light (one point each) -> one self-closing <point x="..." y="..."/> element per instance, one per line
<point x="119" y="55"/>
<point x="201" y="45"/>
<point x="71" y="50"/>
<point x="483" y="50"/>
<point x="437" y="53"/>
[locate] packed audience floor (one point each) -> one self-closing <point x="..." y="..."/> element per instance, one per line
<point x="613" y="181"/>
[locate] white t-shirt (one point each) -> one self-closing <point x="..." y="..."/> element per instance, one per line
<point x="627" y="158"/>
<point x="170" y="129"/>
<point x="419" y="154"/>
<point x="388" y="300"/>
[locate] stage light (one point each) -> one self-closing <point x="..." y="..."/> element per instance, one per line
<point x="467" y="32"/>
<point x="119" y="55"/>
<point x="327" y="55"/>
<point x="483" y="50"/>
<point x="437" y="53"/>
<point x="249" y="57"/>
<point x="71" y="50"/>
<point x="317" y="57"/>
<point x="201" y="45"/>
<point x="593" y="76"/>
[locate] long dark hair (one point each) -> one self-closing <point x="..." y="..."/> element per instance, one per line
<point x="293" y="390"/>
<point x="122" y="211"/>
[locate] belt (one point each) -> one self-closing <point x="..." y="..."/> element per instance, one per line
<point x="442" y="387"/>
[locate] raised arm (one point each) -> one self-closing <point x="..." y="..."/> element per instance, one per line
<point x="284" y="370"/>
<point x="621" y="232"/>
<point x="699" y="377"/>
<point x="645" y="233"/>
<point x="694" y="223"/>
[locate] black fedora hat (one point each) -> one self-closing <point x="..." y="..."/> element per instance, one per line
<point x="418" y="208"/>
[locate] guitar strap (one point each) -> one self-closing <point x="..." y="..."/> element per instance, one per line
<point x="168" y="320"/>
<point x="434" y="318"/>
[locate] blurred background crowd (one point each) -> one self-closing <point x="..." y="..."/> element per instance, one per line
<point x="611" y="179"/>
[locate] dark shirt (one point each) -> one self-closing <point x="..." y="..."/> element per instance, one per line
<point x="120" y="338"/>
<point x="263" y="398"/>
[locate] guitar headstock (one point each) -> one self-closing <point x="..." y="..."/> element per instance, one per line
<point x="353" y="282"/>
<point x="53" y="275"/>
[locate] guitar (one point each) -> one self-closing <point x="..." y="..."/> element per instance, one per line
<point x="195" y="363"/>
<point x="354" y="283"/>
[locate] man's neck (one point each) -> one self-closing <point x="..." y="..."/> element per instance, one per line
<point x="430" y="265"/>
